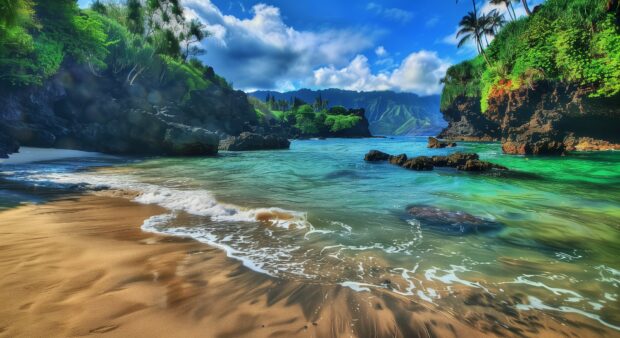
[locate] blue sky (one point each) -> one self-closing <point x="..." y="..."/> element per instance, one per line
<point x="400" y="45"/>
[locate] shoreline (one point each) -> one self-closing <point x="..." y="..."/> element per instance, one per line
<point x="82" y="265"/>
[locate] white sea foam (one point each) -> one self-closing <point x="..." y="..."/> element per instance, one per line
<point x="537" y="304"/>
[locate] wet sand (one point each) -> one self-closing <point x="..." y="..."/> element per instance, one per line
<point x="82" y="266"/>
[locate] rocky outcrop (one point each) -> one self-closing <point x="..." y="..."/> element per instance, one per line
<point x="77" y="109"/>
<point x="250" y="141"/>
<point x="434" y="143"/>
<point x="552" y="118"/>
<point x="459" y="161"/>
<point x="466" y="122"/>
<point x="7" y="145"/>
<point x="547" y="118"/>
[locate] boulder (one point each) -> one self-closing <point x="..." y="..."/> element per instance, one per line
<point x="434" y="143"/>
<point x="376" y="156"/>
<point x="420" y="163"/>
<point x="249" y="141"/>
<point x="182" y="140"/>
<point x="398" y="159"/>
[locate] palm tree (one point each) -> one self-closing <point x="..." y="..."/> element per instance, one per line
<point x="509" y="7"/>
<point x="493" y="22"/>
<point x="472" y="28"/>
<point x="527" y="8"/>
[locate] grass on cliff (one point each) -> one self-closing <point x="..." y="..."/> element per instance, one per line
<point x="571" y="41"/>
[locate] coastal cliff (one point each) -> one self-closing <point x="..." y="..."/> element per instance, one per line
<point x="547" y="118"/>
<point x="547" y="84"/>
<point x="95" y="80"/>
<point x="76" y="109"/>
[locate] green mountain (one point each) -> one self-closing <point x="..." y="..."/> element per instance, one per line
<point x="389" y="113"/>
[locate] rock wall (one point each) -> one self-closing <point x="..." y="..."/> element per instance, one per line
<point x="466" y="122"/>
<point x="546" y="118"/>
<point x="77" y="109"/>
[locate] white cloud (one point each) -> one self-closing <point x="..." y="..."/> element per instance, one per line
<point x="419" y="73"/>
<point x="262" y="52"/>
<point x="394" y="14"/>
<point x="381" y="51"/>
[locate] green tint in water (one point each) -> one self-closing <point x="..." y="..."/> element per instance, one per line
<point x="557" y="247"/>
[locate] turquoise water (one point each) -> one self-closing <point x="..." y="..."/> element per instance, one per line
<point x="318" y="213"/>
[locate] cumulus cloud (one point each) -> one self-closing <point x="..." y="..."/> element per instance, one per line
<point x="419" y="73"/>
<point x="381" y="51"/>
<point x="262" y="52"/>
<point x="394" y="14"/>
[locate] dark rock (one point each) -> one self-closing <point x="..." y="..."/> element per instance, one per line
<point x="419" y="163"/>
<point x="7" y="145"/>
<point x="434" y="143"/>
<point x="451" y="222"/>
<point x="551" y="118"/>
<point x="466" y="122"/>
<point x="461" y="161"/>
<point x="398" y="159"/>
<point x="456" y="159"/>
<point x="544" y="118"/>
<point x="376" y="156"/>
<point x="190" y="141"/>
<point x="477" y="165"/>
<point x="249" y="141"/>
<point x="76" y="109"/>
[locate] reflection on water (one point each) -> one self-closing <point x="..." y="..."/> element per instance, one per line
<point x="544" y="237"/>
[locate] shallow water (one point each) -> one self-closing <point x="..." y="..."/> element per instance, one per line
<point x="319" y="214"/>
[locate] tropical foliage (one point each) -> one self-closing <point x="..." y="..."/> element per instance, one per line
<point x="148" y="41"/>
<point x="572" y="41"/>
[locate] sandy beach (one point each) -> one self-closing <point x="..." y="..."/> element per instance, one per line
<point x="82" y="266"/>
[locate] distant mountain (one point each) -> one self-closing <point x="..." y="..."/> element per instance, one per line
<point x="389" y="113"/>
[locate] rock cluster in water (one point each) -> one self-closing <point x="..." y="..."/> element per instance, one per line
<point x="434" y="143"/>
<point x="460" y="161"/>
<point x="250" y="141"/>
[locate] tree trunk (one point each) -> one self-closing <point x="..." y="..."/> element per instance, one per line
<point x="527" y="8"/>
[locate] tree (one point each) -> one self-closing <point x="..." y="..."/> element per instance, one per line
<point x="493" y="22"/>
<point x="135" y="17"/>
<point x="509" y="7"/>
<point x="526" y="7"/>
<point x="98" y="7"/>
<point x="471" y="28"/>
<point x="193" y="33"/>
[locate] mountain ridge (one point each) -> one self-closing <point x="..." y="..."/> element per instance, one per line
<point x="388" y="112"/>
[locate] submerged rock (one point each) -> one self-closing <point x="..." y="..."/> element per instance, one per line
<point x="434" y="143"/>
<point x="477" y="165"/>
<point x="250" y="141"/>
<point x="451" y="222"/>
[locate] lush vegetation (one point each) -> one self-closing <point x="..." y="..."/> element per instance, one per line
<point x="306" y="119"/>
<point x="571" y="41"/>
<point x="149" y="41"/>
